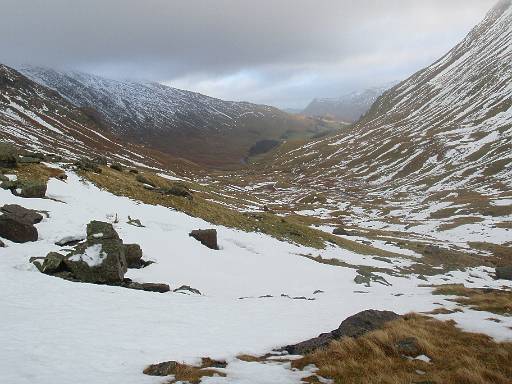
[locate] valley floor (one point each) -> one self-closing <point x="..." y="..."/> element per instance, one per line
<point x="57" y="331"/>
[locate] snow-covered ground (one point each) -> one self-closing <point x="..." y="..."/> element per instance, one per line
<point x="56" y="331"/>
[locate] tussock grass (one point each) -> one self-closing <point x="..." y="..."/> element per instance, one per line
<point x="457" y="357"/>
<point x="189" y="374"/>
<point x="490" y="300"/>
<point x="35" y="172"/>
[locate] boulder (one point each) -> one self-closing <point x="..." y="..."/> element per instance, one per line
<point x="87" y="165"/>
<point x="133" y="255"/>
<point x="23" y="213"/>
<point x="17" y="223"/>
<point x="177" y="189"/>
<point x="207" y="237"/>
<point x="340" y="231"/>
<point x="117" y="167"/>
<point x="30" y="189"/>
<point x="53" y="263"/>
<point x="408" y="347"/>
<point x="353" y="326"/>
<point x="101" y="258"/>
<point x="504" y="273"/>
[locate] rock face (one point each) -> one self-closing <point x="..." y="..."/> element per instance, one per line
<point x="101" y="259"/>
<point x="353" y="326"/>
<point x="17" y="223"/>
<point x="504" y="272"/>
<point x="207" y="237"/>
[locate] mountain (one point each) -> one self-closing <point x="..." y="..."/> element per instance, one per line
<point x="186" y="124"/>
<point x="437" y="146"/>
<point x="348" y="108"/>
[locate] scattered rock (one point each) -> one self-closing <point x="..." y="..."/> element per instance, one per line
<point x="166" y="368"/>
<point x="340" y="231"/>
<point x="133" y="255"/>
<point x="186" y="288"/>
<point x="117" y="167"/>
<point x="135" y="171"/>
<point x="504" y="273"/>
<point x="150" y="287"/>
<point x="366" y="278"/>
<point x="383" y="259"/>
<point x="431" y="249"/>
<point x="408" y="347"/>
<point x="87" y="165"/>
<point x="2" y="245"/>
<point x="135" y="222"/>
<point x="353" y="326"/>
<point x="142" y="179"/>
<point x="8" y="156"/>
<point x="29" y="160"/>
<point x="17" y="223"/>
<point x="30" y="189"/>
<point x="318" y="291"/>
<point x="206" y="362"/>
<point x="177" y="189"/>
<point x="207" y="237"/>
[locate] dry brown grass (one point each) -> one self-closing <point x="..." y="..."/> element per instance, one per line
<point x="194" y="375"/>
<point x="490" y="300"/>
<point x="457" y="357"/>
<point x="35" y="172"/>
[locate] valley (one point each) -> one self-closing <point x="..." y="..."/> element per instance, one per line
<point x="155" y="235"/>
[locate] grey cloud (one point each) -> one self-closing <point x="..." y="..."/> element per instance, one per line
<point x="273" y="46"/>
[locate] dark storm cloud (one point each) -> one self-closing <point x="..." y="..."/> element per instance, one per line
<point x="275" y="51"/>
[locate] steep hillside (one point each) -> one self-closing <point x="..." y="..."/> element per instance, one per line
<point x="38" y="118"/>
<point x="436" y="149"/>
<point x="182" y="123"/>
<point x="348" y="108"/>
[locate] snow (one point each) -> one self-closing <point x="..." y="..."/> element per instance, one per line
<point x="93" y="255"/>
<point x="107" y="334"/>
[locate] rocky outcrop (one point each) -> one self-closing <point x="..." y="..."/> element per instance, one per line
<point x="101" y="259"/>
<point x="353" y="326"/>
<point x="17" y="223"/>
<point x="207" y="237"/>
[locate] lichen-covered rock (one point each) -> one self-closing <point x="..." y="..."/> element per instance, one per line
<point x="30" y="189"/>
<point x="101" y="259"/>
<point x="207" y="237"/>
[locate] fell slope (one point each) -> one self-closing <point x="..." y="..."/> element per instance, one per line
<point x="182" y="123"/>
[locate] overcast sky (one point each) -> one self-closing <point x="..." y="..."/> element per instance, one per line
<point x="280" y="52"/>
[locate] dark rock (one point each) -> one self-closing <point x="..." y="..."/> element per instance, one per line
<point x="135" y="171"/>
<point x="17" y="224"/>
<point x="177" y="189"/>
<point x="206" y="362"/>
<point x="8" y="156"/>
<point x="144" y="180"/>
<point x="101" y="258"/>
<point x="29" y="160"/>
<point x="30" y="189"/>
<point x="340" y="231"/>
<point x="117" y="167"/>
<point x="504" y="273"/>
<point x="408" y="347"/>
<point x="87" y="165"/>
<point x="186" y="288"/>
<point x="2" y="245"/>
<point x="156" y="287"/>
<point x="133" y="255"/>
<point x="353" y="326"/>
<point x="318" y="291"/>
<point x="53" y="263"/>
<point x="135" y="222"/>
<point x="166" y="368"/>
<point x="207" y="237"/>
<point x="28" y="215"/>
<point x="432" y="250"/>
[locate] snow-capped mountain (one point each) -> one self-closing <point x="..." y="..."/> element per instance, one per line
<point x="348" y="108"/>
<point x="182" y="123"/>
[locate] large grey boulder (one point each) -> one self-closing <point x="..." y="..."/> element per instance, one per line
<point x="17" y="223"/>
<point x="354" y="326"/>
<point x="101" y="259"/>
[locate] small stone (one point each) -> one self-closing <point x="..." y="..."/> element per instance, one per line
<point x="186" y="288"/>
